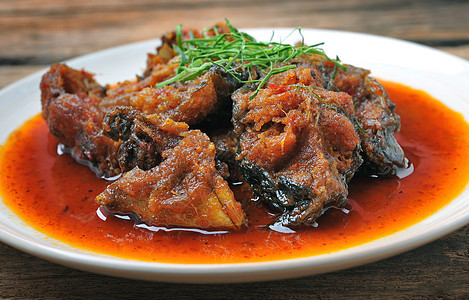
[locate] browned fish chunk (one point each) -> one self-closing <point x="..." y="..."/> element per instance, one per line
<point x="74" y="105"/>
<point x="298" y="147"/>
<point x="374" y="112"/>
<point x="70" y="107"/>
<point x="184" y="190"/>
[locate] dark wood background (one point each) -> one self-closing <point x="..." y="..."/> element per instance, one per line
<point x="36" y="33"/>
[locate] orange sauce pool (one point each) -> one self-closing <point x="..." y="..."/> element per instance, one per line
<point x="56" y="195"/>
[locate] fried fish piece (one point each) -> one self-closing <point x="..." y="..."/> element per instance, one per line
<point x="208" y="96"/>
<point x="191" y="101"/>
<point x="184" y="190"/>
<point x="378" y="120"/>
<point x="74" y="105"/>
<point x="298" y="147"/>
<point x="70" y="105"/>
<point x="375" y="113"/>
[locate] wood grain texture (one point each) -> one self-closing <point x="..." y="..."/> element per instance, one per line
<point x="36" y="33"/>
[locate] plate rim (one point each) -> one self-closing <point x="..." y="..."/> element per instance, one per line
<point x="233" y="272"/>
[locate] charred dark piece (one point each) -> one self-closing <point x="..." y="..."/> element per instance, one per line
<point x="143" y="139"/>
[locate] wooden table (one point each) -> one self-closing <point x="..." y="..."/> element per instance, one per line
<point x="35" y="33"/>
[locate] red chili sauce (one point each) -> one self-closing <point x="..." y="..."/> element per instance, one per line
<point x="56" y="196"/>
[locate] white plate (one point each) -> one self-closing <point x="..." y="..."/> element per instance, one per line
<point x="444" y="76"/>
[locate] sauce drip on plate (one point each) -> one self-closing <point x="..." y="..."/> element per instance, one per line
<point x="56" y="196"/>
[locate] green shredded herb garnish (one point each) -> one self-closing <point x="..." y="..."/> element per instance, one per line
<point x="334" y="74"/>
<point x="237" y="53"/>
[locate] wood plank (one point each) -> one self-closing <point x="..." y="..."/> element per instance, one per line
<point x="36" y="33"/>
<point x="10" y="74"/>
<point x="42" y="34"/>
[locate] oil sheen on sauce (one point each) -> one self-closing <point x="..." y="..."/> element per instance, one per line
<point x="56" y="195"/>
